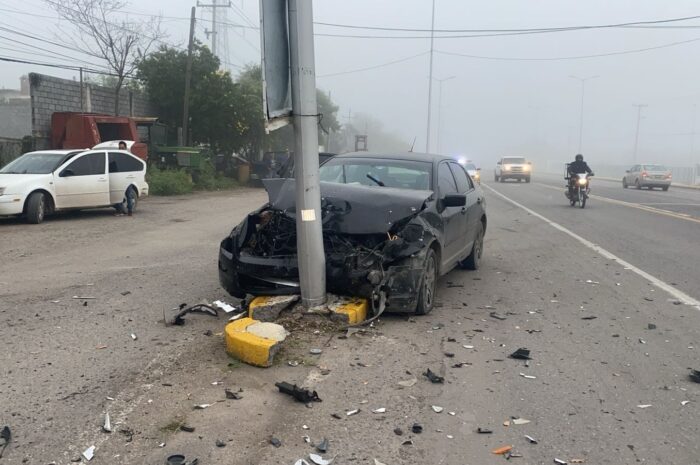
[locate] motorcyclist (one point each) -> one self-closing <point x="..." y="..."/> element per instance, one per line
<point x="577" y="167"/>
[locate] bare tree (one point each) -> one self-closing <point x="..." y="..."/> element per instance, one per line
<point x="103" y="32"/>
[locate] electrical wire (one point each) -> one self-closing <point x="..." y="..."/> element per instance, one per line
<point x="54" y="65"/>
<point x="368" y="68"/>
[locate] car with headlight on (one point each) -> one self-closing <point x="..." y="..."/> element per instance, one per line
<point x="513" y="168"/>
<point x="46" y="181"/>
<point x="392" y="224"/>
<point x="473" y="171"/>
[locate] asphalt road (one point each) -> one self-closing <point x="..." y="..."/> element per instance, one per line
<point x="585" y="316"/>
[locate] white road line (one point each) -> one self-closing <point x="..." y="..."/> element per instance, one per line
<point x="675" y="293"/>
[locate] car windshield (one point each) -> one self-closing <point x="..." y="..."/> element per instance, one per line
<point x="514" y="161"/>
<point x="404" y="174"/>
<point x="36" y="163"/>
<point x="655" y="168"/>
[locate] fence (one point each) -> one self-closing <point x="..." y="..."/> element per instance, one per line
<point x="681" y="174"/>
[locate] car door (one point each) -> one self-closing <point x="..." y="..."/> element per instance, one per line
<point x="452" y="217"/>
<point x="124" y="170"/>
<point x="471" y="211"/>
<point x="82" y="182"/>
<point x="634" y="174"/>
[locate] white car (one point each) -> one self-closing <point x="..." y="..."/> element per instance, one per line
<point x="46" y="181"/>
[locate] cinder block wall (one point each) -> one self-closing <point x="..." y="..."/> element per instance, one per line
<point x="50" y="94"/>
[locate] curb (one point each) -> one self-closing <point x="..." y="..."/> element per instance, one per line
<point x="352" y="311"/>
<point x="268" y="308"/>
<point x="246" y="342"/>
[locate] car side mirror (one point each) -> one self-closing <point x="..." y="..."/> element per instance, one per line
<point x="67" y="173"/>
<point x="454" y="200"/>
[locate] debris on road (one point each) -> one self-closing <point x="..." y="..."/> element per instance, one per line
<point x="199" y="308"/>
<point x="350" y="413"/>
<point x="590" y="317"/>
<point x="323" y="446"/>
<point x="435" y="379"/>
<point x="177" y="459"/>
<point x="232" y="395"/>
<point x="417" y="428"/>
<point x="275" y="442"/>
<point x="201" y="406"/>
<point x="651" y="326"/>
<point x="379" y="410"/>
<point x="521" y="354"/>
<point x="6" y="436"/>
<point x="437" y="409"/>
<point x="531" y="439"/>
<point x="107" y="425"/>
<point x="270" y="308"/>
<point x="224" y="306"/>
<point x="408" y="382"/>
<point x="83" y="297"/>
<point x="449" y="354"/>
<point x="520" y="421"/>
<point x="577" y="461"/>
<point x="498" y="316"/>
<point x="644" y="405"/>
<point x="481" y="430"/>
<point x="133" y="336"/>
<point x="300" y="394"/>
<point x="695" y="376"/>
<point x="254" y="342"/>
<point x="528" y="376"/>
<point x="398" y="431"/>
<point x="502" y="450"/>
<point x="684" y="403"/>
<point x="89" y="453"/>
<point x="316" y="351"/>
<point x="219" y="443"/>
<point x="187" y="428"/>
<point x="301" y="462"/>
<point x="648" y="299"/>
<point x="318" y="460"/>
<point x="377" y="462"/>
<point x="560" y="462"/>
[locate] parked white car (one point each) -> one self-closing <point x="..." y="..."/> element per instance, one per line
<point x="46" y="181"/>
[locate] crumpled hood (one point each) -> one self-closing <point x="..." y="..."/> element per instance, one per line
<point x="350" y="208"/>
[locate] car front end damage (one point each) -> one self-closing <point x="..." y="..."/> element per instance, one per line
<point x="378" y="256"/>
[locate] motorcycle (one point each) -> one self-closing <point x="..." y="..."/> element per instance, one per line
<point x="578" y="189"/>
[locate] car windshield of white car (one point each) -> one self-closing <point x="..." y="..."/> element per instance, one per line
<point x="36" y="163"/>
<point x="514" y="161"/>
<point x="403" y="174"/>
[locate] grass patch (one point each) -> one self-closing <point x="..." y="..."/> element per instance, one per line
<point x="169" y="182"/>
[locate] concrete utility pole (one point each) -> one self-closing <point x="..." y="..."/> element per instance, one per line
<point x="310" y="253"/>
<point x="636" y="137"/>
<point x="583" y="92"/>
<point x="439" y="125"/>
<point x="213" y="33"/>
<point x="430" y="80"/>
<point x="188" y="79"/>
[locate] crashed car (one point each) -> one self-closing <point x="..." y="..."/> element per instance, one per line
<point x="392" y="224"/>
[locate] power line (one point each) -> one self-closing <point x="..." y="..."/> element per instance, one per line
<point x="54" y="54"/>
<point x="54" y="65"/>
<point x="373" y="67"/>
<point x="579" y="57"/>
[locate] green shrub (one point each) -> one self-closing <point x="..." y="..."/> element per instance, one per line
<point x="207" y="179"/>
<point x="169" y="181"/>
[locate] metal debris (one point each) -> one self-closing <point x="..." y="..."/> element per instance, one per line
<point x="379" y="410"/>
<point x="300" y="394"/>
<point x="433" y="377"/>
<point x="591" y="317"/>
<point x="350" y="413"/>
<point x="560" y="462"/>
<point x="201" y="406"/>
<point x="107" y="426"/>
<point x="187" y="428"/>
<point x="684" y="403"/>
<point x="481" y="430"/>
<point x="323" y="446"/>
<point x="89" y="453"/>
<point x="220" y="443"/>
<point x="531" y="439"/>
<point x="133" y="336"/>
<point x="466" y="346"/>
<point x="521" y="354"/>
<point x="224" y="306"/>
<point x="318" y="460"/>
<point x="232" y="395"/>
<point x="497" y="316"/>
<point x="528" y="376"/>
<point x="651" y="326"/>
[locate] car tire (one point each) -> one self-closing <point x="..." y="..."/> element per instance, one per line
<point x="495" y="178"/>
<point x="503" y="179"/>
<point x="624" y="183"/>
<point x="665" y="188"/>
<point x="428" y="286"/>
<point x="527" y="179"/>
<point x="36" y="208"/>
<point x="122" y="207"/>
<point x="473" y="261"/>
<point x="637" y="185"/>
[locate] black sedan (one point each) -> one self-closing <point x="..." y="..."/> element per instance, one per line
<point x="392" y="224"/>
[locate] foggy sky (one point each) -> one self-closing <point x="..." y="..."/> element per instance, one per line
<point x="492" y="107"/>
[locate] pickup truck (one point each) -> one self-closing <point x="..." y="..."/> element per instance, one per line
<point x="513" y="168"/>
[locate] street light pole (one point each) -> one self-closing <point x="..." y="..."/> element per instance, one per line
<point x="439" y="124"/>
<point x="583" y="92"/>
<point x="636" y="137"/>
<point x="430" y="80"/>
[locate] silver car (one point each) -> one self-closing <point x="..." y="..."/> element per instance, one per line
<point x="647" y="175"/>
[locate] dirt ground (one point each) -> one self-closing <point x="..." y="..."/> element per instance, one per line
<point x="67" y="361"/>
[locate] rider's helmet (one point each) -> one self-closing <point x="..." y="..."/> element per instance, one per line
<point x="579" y="157"/>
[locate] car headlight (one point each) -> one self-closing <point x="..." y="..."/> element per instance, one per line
<point x="582" y="181"/>
<point x="506" y="167"/>
<point x="526" y="167"/>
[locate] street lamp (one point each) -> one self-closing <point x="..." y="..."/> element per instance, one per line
<point x="440" y="81"/>
<point x="583" y="92"/>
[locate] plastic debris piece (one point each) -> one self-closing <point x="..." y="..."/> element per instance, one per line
<point x="301" y="462"/>
<point x="467" y="346"/>
<point x="497" y="316"/>
<point x="133" y="336"/>
<point x="89" y="453"/>
<point x="201" y="406"/>
<point x="531" y="439"/>
<point x="407" y="442"/>
<point x="318" y="460"/>
<point x="350" y="413"/>
<point x="685" y="402"/>
<point x="481" y="430"/>
<point x="408" y="382"/>
<point x="336" y="416"/>
<point x="417" y="428"/>
<point x="315" y="351"/>
<point x="521" y="354"/>
<point x="177" y="459"/>
<point x="107" y="425"/>
<point x="161" y="445"/>
<point x="379" y="410"/>
<point x="224" y="306"/>
<point x="377" y="462"/>
<point x="591" y="317"/>
<point x="695" y="376"/>
<point x="293" y="363"/>
<point x="506" y="423"/>
<point x="437" y="408"/>
<point x="644" y="405"/>
<point x="323" y="446"/>
<point x="449" y="354"/>
<point x="520" y="421"/>
<point x="187" y="428"/>
<point x="528" y="376"/>
<point x="651" y="326"/>
<point x="433" y="377"/>
<point x="232" y="395"/>
<point x="502" y="450"/>
<point x="300" y="394"/>
<point x="452" y="413"/>
<point x="6" y="436"/>
<point x="560" y="462"/>
<point x="449" y="436"/>
<point x="398" y="431"/>
<point x="219" y="443"/>
<point x="275" y="442"/>
<point x="304" y="427"/>
<point x="307" y="439"/>
<point x="179" y="319"/>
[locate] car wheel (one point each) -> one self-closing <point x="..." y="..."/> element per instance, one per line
<point x="36" y="208"/>
<point x="624" y="183"/>
<point x="495" y="178"/>
<point x="123" y="206"/>
<point x="473" y="261"/>
<point x="665" y="188"/>
<point x="527" y="179"/>
<point x="426" y="297"/>
<point x="503" y="179"/>
<point x="637" y="185"/>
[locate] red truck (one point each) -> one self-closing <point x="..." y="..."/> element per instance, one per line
<point x="72" y="130"/>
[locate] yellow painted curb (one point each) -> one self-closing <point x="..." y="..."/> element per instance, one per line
<point x="354" y="310"/>
<point x="248" y="347"/>
<point x="255" y="303"/>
